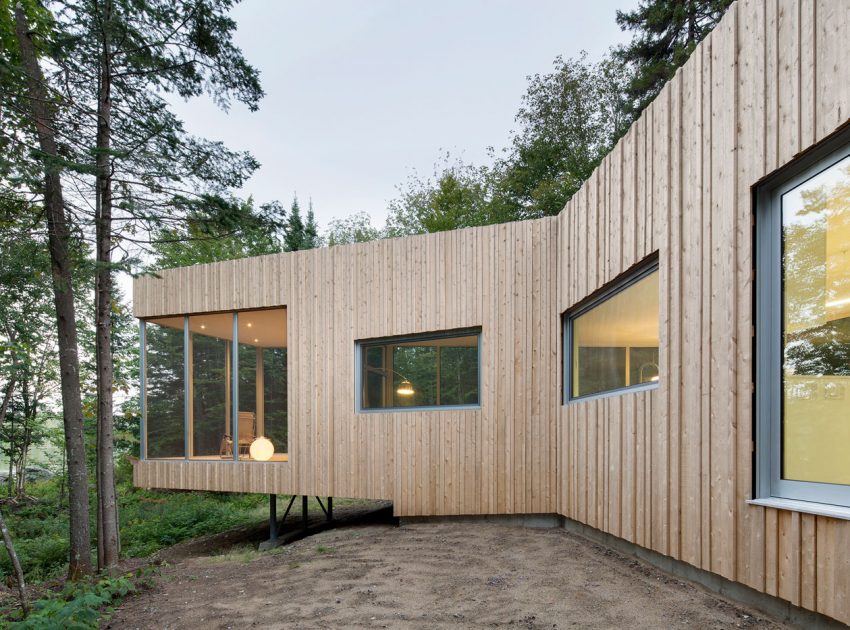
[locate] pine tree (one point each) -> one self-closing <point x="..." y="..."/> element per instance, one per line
<point x="311" y="230"/>
<point x="294" y="239"/>
<point x="667" y="31"/>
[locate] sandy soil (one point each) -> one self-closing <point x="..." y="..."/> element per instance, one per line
<point x="426" y="575"/>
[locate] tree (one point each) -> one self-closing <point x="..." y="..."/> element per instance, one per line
<point x="311" y="230"/>
<point x="133" y="167"/>
<point x="294" y="228"/>
<point x="355" y="228"/>
<point x="261" y="231"/>
<point x="38" y="113"/>
<point x="569" y="120"/>
<point x="120" y="55"/>
<point x="666" y="33"/>
<point x="457" y="195"/>
<point x="300" y="235"/>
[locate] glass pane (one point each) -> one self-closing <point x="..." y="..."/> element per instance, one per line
<point x="374" y="379"/>
<point x="615" y="344"/>
<point x="417" y="365"/>
<point x="210" y="373"/>
<point x="458" y="375"/>
<point x="263" y="406"/>
<point x="423" y="373"/>
<point x="164" y="388"/>
<point x="816" y="328"/>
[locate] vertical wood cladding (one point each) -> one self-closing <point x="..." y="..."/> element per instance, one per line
<point x="669" y="469"/>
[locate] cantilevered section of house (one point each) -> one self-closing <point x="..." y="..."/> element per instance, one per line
<point x="667" y="361"/>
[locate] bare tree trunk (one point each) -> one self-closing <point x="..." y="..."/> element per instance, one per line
<point x="66" y="322"/>
<point x="13" y="556"/>
<point x="107" y="507"/>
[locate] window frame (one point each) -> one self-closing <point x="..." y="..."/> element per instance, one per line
<point x="768" y="316"/>
<point x="187" y="394"/>
<point x="361" y="344"/>
<point x="625" y="280"/>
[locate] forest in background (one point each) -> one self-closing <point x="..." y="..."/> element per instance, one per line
<point x="98" y="177"/>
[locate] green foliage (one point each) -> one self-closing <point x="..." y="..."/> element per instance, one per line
<point x="569" y="119"/>
<point x="455" y="196"/>
<point x="355" y="228"/>
<point x="150" y="521"/>
<point x="666" y="33"/>
<point x="300" y="234"/>
<point x="78" y="606"/>
<point x="244" y="231"/>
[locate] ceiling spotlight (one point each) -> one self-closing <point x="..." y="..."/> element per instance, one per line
<point x="249" y="324"/>
<point x="203" y="326"/>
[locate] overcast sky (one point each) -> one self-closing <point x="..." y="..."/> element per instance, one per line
<point x="361" y="94"/>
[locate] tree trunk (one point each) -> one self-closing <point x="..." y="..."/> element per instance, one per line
<point x="63" y="293"/>
<point x="107" y="509"/>
<point x="19" y="573"/>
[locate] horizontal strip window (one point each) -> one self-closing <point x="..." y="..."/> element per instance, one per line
<point x="436" y="370"/>
<point x="803" y="330"/>
<point x="612" y="340"/>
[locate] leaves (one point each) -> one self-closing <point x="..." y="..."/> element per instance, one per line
<point x="666" y="33"/>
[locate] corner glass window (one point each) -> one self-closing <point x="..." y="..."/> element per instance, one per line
<point x="165" y="389"/>
<point x="214" y="386"/>
<point x="613" y="339"/>
<point x="440" y="370"/>
<point x="804" y="335"/>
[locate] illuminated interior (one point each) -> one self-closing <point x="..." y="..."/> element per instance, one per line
<point x="615" y="343"/>
<point x="435" y="372"/>
<point x="261" y="410"/>
<point x="816" y="336"/>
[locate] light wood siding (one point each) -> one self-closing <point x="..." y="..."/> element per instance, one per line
<point x="672" y="469"/>
<point x="669" y="469"/>
<point x="496" y="459"/>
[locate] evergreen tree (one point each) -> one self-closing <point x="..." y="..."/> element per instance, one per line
<point x="311" y="230"/>
<point x="666" y="33"/>
<point x="294" y="238"/>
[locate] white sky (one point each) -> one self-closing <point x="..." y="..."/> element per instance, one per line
<point x="361" y="94"/>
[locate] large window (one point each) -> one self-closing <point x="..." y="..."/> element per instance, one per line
<point x="165" y="388"/>
<point x="612" y="340"/>
<point x="803" y="334"/>
<point x="440" y="370"/>
<point x="215" y="386"/>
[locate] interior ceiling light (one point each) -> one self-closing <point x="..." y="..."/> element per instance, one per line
<point x="249" y="324"/>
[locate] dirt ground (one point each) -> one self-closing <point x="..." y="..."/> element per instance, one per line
<point x="424" y="575"/>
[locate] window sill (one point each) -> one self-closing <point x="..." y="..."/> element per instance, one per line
<point x="806" y="507"/>
<point x="632" y="389"/>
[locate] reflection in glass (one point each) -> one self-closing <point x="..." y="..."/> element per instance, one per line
<point x="816" y="327"/>
<point x="425" y="372"/>
<point x="262" y="376"/>
<point x="615" y="343"/>
<point x="210" y="370"/>
<point x="164" y="388"/>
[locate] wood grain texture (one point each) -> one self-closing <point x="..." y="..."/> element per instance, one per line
<point x="669" y="469"/>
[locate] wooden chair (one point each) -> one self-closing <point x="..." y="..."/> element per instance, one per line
<point x="247" y="434"/>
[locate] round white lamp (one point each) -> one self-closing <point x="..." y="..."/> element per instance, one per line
<point x="261" y="449"/>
